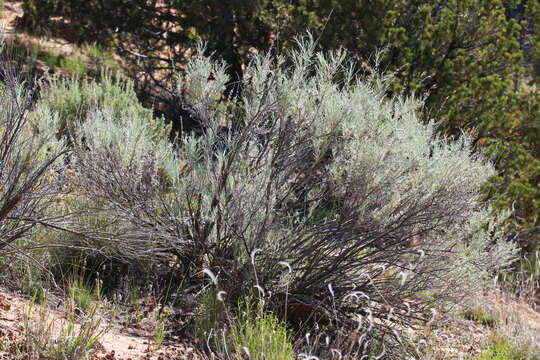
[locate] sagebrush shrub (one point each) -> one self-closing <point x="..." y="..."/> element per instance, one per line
<point x="311" y="167"/>
<point x="318" y="168"/>
<point x="101" y="118"/>
<point x="72" y="99"/>
<point x="30" y="168"/>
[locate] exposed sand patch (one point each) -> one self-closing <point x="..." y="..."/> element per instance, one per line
<point x="116" y="343"/>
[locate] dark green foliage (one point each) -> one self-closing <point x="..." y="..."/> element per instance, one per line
<point x="516" y="187"/>
<point x="37" y="13"/>
<point x="89" y="20"/>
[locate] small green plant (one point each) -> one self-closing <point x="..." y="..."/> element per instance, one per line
<point x="162" y="317"/>
<point x="260" y="334"/>
<point x="212" y="314"/>
<point x="160" y="329"/>
<point x="81" y="293"/>
<point x="100" y="60"/>
<point x="50" y="59"/>
<point x="75" y="65"/>
<point x="46" y="337"/>
<point x="501" y="349"/>
<point x="480" y="315"/>
<point x="30" y="282"/>
<point x="254" y="332"/>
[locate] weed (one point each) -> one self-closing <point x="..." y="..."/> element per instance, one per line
<point x="524" y="281"/>
<point x="480" y="315"/>
<point x="260" y="334"/>
<point x="509" y="319"/>
<point x="81" y="293"/>
<point x="502" y="349"/>
<point x="51" y="60"/>
<point x="30" y="282"/>
<point x="159" y="330"/>
<point x="212" y="314"/>
<point x="254" y="332"/>
<point x="75" y="65"/>
<point x="162" y="317"/>
<point x="99" y="60"/>
<point x="59" y="339"/>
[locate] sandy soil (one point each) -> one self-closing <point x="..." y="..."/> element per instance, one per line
<point x="116" y="343"/>
<point x="453" y="337"/>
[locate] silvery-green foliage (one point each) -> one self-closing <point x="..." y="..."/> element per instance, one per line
<point x="42" y="121"/>
<point x="131" y="138"/>
<point x="311" y="166"/>
<point x="122" y="161"/>
<point x="121" y="156"/>
<point x="319" y="168"/>
<point x="71" y="100"/>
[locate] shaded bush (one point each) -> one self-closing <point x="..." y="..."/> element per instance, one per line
<point x="37" y="14"/>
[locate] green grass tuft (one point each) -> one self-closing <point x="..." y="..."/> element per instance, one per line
<point x="480" y="315"/>
<point x="501" y="349"/>
<point x="261" y="333"/>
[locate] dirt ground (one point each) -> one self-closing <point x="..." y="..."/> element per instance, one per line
<point x="116" y="343"/>
<point x="453" y="338"/>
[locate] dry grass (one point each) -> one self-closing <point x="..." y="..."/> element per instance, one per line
<point x="468" y="332"/>
<point x="513" y="319"/>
